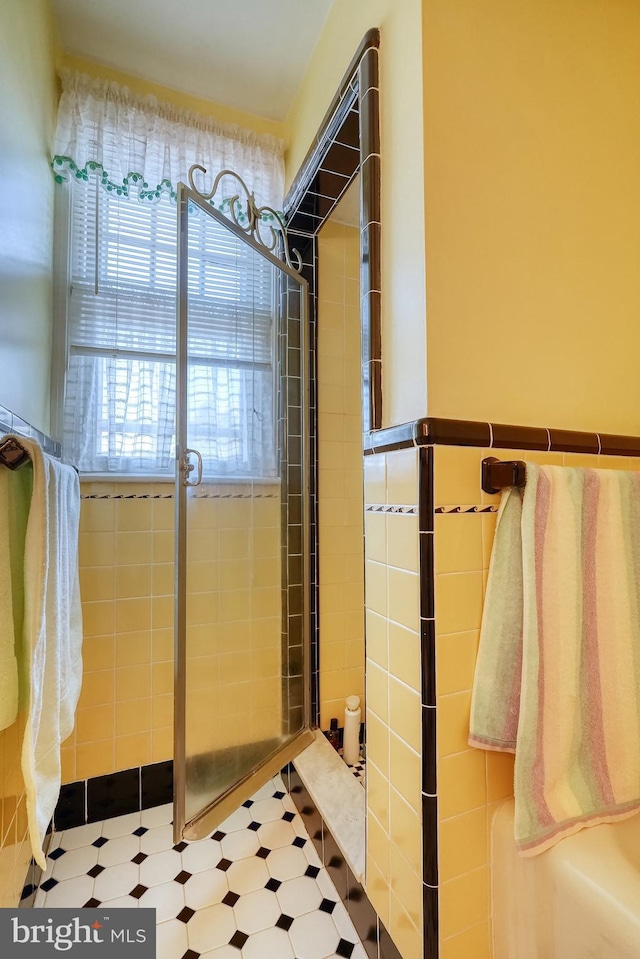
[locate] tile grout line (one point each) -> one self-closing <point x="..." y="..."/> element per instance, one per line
<point x="264" y="819"/>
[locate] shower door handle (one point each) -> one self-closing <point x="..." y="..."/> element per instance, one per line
<point x="188" y="468"/>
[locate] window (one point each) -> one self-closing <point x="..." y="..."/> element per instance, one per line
<point x="124" y="156"/>
<point x="119" y="410"/>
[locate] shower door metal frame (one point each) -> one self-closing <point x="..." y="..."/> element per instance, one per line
<point x="217" y="811"/>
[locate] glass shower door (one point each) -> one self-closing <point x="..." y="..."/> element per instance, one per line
<point x="241" y="683"/>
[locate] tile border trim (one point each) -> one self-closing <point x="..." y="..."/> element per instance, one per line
<point x="375" y="939"/>
<point x="347" y="141"/>
<point x="464" y="510"/>
<point x="12" y="423"/>
<point x="437" y="431"/>
<point x="430" y="891"/>
<point x="171" y="495"/>
<point x="301" y="181"/>
<point x="389" y="508"/>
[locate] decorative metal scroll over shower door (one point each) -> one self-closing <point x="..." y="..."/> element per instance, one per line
<point x="241" y="708"/>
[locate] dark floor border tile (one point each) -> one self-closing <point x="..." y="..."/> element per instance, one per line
<point x="116" y="794"/>
<point x="71" y="808"/>
<point x="362" y="915"/>
<point x="103" y="797"/>
<point x="372" y="933"/>
<point x="335" y="863"/>
<point x="388" y="948"/>
<point x="156" y="784"/>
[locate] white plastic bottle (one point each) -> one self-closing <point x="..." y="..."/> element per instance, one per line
<point x="351" y="739"/>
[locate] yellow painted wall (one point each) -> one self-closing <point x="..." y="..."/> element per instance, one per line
<point x="402" y="194"/>
<point x="125" y="712"/>
<point x="532" y="152"/>
<point x="340" y="474"/>
<point x="393" y="716"/>
<point x="184" y="101"/>
<point x="27" y="117"/>
<point x="27" y="113"/>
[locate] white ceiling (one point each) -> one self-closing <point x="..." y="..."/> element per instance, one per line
<point x="247" y="54"/>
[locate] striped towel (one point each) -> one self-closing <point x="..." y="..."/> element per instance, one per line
<point x="558" y="673"/>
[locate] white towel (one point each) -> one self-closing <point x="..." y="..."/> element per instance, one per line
<point x="51" y="649"/>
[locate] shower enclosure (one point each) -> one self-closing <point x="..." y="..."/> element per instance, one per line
<point x="241" y="682"/>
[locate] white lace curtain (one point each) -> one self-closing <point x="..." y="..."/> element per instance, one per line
<point x="138" y="144"/>
<point x="125" y="157"/>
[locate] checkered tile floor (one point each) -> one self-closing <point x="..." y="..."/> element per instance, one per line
<point x="360" y="771"/>
<point x="255" y="889"/>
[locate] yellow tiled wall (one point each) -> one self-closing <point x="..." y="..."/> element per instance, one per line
<point x="15" y="849"/>
<point x="125" y="713"/>
<point x="471" y="782"/>
<point x="394" y="748"/>
<point x="340" y="471"/>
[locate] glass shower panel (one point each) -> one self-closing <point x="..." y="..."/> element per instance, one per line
<point x="240" y="514"/>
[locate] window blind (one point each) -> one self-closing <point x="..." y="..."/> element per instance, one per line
<point x="120" y="386"/>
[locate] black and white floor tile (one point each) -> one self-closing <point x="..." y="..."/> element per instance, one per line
<point x="360" y="771"/>
<point x="255" y="889"/>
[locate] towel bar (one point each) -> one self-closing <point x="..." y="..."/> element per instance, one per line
<point x="13" y="454"/>
<point x="500" y="474"/>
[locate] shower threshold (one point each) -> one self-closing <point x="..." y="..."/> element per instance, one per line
<point x="338" y="796"/>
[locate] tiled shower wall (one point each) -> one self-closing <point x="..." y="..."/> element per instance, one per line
<point x="393" y="669"/>
<point x="125" y="713"/>
<point x="340" y="472"/>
